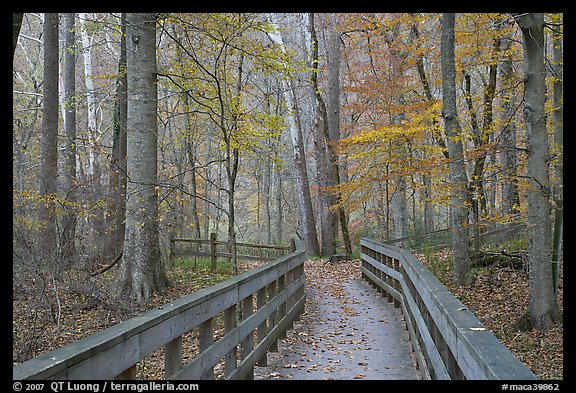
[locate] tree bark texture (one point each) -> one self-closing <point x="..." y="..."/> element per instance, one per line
<point x="142" y="271"/>
<point x="307" y="225"/>
<point x="508" y="161"/>
<point x="559" y="146"/>
<point x="324" y="163"/>
<point x="334" y="60"/>
<point x="119" y="152"/>
<point x="458" y="178"/>
<point x="69" y="184"/>
<point x="49" y="158"/>
<point x="542" y="305"/>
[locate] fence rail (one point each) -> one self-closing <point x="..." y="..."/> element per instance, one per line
<point x="257" y="307"/>
<point x="440" y="233"/>
<point x="448" y="340"/>
<point x="213" y="249"/>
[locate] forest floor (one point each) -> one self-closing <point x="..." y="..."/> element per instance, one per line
<point x="50" y="313"/>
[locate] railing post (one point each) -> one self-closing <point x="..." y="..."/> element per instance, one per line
<point x="378" y="273"/>
<point x="128" y="374"/>
<point x="206" y="338"/>
<point x="290" y="301"/>
<point x="172" y="357"/>
<point x="301" y="292"/>
<point x="282" y="309"/>
<point x="273" y="316"/>
<point x="389" y="279"/>
<point x="396" y="283"/>
<point x="260" y="302"/>
<point x="248" y="342"/>
<point x="230" y="359"/>
<point x="213" y="251"/>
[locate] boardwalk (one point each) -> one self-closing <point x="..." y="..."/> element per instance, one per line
<point x="348" y="331"/>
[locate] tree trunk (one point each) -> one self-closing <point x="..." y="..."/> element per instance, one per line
<point x="307" y="222"/>
<point x="559" y="146"/>
<point x="142" y="271"/>
<point x="458" y="178"/>
<point x="97" y="220"/>
<point x="69" y="186"/>
<point x="399" y="209"/>
<point x="232" y="164"/>
<point x="118" y="164"/>
<point x="266" y="187"/>
<point x="207" y="184"/>
<point x="508" y="160"/>
<point x="324" y="168"/>
<point x="334" y="54"/>
<point x="191" y="153"/>
<point x="543" y="310"/>
<point x="49" y="158"/>
<point x="428" y="206"/>
<point x="279" y="211"/>
<point x="16" y="26"/>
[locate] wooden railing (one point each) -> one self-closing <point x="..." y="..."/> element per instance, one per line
<point x="213" y="248"/>
<point x="256" y="307"/>
<point x="448" y="341"/>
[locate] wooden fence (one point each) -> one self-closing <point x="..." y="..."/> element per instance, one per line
<point x="448" y="340"/>
<point x="440" y="238"/>
<point x="256" y="307"/>
<point x="213" y="249"/>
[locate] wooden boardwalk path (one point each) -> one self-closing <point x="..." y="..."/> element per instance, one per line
<point x="348" y="331"/>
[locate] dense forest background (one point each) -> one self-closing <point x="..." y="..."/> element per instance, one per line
<point x="132" y="129"/>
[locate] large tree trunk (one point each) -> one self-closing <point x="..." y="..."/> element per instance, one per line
<point x="334" y="55"/>
<point x="307" y="225"/>
<point x="49" y="158"/>
<point x="307" y="222"/>
<point x="325" y="171"/>
<point x="458" y="178"/>
<point x="543" y="307"/>
<point x="69" y="186"/>
<point x="142" y="271"/>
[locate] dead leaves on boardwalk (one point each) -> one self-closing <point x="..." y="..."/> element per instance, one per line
<point x="328" y="277"/>
<point x="342" y="333"/>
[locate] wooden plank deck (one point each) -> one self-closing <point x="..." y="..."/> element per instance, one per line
<point x="345" y="333"/>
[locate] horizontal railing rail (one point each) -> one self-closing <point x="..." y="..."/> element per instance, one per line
<point x="213" y="249"/>
<point x="256" y="308"/>
<point x="448" y="340"/>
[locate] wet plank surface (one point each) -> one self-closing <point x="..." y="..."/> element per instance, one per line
<point x="348" y="331"/>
